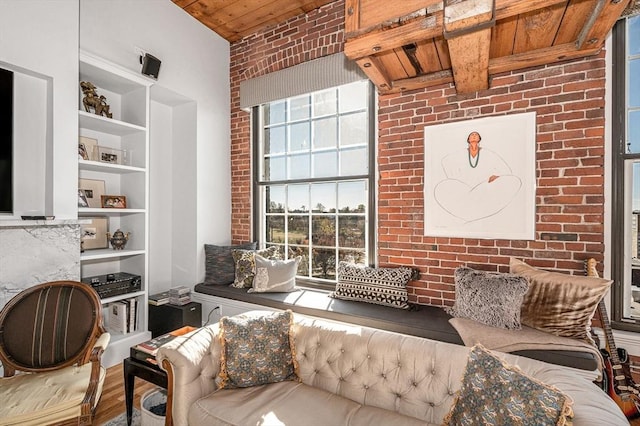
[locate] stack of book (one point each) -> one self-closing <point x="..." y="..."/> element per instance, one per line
<point x="179" y="295"/>
<point x="159" y="298"/>
<point x="122" y="316"/>
<point x="146" y="351"/>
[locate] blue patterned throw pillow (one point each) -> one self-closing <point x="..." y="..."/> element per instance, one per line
<point x="256" y="350"/>
<point x="494" y="393"/>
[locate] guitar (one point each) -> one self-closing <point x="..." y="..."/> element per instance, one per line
<point x="618" y="382"/>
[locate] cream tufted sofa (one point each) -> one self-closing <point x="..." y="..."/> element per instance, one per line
<point x="350" y="375"/>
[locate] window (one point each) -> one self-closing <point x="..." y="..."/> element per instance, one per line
<point x="314" y="178"/>
<point x="626" y="174"/>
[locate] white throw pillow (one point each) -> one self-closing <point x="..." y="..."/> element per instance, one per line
<point x="275" y="276"/>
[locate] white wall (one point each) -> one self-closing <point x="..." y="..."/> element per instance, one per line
<point x="195" y="64"/>
<point x="41" y="37"/>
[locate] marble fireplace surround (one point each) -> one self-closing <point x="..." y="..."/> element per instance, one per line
<point x="33" y="252"/>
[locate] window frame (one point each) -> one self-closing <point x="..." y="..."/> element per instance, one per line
<point x="618" y="195"/>
<point x="371" y="215"/>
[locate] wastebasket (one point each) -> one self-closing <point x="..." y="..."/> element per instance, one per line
<point x="154" y="407"/>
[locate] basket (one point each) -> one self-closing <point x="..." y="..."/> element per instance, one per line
<point x="149" y="399"/>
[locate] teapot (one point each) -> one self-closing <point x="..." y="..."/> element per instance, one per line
<point x="118" y="239"/>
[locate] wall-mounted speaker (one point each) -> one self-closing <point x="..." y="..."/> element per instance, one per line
<point x="150" y="65"/>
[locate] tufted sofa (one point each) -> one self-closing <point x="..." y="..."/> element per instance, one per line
<point x="350" y="375"/>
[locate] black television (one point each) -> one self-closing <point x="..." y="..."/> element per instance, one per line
<point x="6" y="141"/>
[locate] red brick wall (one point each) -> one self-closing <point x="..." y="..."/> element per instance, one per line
<point x="568" y="98"/>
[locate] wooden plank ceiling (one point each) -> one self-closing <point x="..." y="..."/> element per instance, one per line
<point x="236" y="19"/>
<point x="410" y="44"/>
<point x="420" y="43"/>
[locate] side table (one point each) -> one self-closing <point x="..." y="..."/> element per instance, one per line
<point x="146" y="371"/>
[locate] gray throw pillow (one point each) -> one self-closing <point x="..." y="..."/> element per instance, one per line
<point x="380" y="286"/>
<point x="275" y="276"/>
<point x="491" y="298"/>
<point x="219" y="264"/>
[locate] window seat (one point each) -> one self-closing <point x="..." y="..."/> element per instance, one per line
<point x="430" y="322"/>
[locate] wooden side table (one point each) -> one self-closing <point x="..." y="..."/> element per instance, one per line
<point x="146" y="371"/>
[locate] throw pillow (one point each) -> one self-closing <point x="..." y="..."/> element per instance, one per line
<point x="560" y="304"/>
<point x="380" y="286"/>
<point x="219" y="264"/>
<point x="491" y="298"/>
<point x="246" y="264"/>
<point x="494" y="393"/>
<point x="257" y="350"/>
<point x="274" y="276"/>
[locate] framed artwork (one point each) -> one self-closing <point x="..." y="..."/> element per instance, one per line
<point x="87" y="148"/>
<point x="109" y="155"/>
<point x="479" y="178"/>
<point x="114" y="202"/>
<point x="93" y="235"/>
<point x="93" y="189"/>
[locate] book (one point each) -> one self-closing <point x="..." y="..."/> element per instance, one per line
<point x="179" y="291"/>
<point x="148" y="349"/>
<point x="117" y="317"/>
<point x="159" y="298"/>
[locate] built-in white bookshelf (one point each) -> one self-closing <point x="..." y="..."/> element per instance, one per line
<point x="124" y="135"/>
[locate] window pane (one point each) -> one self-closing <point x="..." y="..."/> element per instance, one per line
<point x="353" y="256"/>
<point x="303" y="252"/>
<point x="325" y="134"/>
<point x="634" y="83"/>
<point x="324" y="263"/>
<point x="298" y="200"/>
<point x="299" y="167"/>
<point x="299" y="108"/>
<point x="325" y="164"/>
<point x="275" y="199"/>
<point x="353" y="129"/>
<point x="274" y="112"/>
<point x="298" y="230"/>
<point x="275" y="168"/>
<point x="352" y="197"/>
<point x="635" y="201"/>
<point x="353" y="162"/>
<point x="275" y="229"/>
<point x="324" y="103"/>
<point x="634" y="35"/>
<point x="274" y="140"/>
<point x="351" y="231"/>
<point x="633" y="138"/>
<point x="353" y="96"/>
<point x="323" y="197"/>
<point x="323" y="231"/>
<point x="299" y="137"/>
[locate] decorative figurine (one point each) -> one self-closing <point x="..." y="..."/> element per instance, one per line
<point x="92" y="100"/>
<point x="119" y="239"/>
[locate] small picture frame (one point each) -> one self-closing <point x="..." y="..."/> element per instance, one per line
<point x="93" y="235"/>
<point x="93" y="191"/>
<point x="87" y="148"/>
<point x="109" y="155"/>
<point x="114" y="201"/>
<point x="82" y="199"/>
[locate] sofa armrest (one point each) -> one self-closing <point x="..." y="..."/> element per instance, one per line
<point x="192" y="363"/>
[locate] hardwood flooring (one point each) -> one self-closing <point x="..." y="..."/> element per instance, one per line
<point x="112" y="401"/>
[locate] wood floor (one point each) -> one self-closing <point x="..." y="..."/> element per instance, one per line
<point x="112" y="402"/>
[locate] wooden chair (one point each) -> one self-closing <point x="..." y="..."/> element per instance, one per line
<point x="51" y="342"/>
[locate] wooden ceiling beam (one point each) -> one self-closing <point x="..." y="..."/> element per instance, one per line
<point x="371" y="43"/>
<point x="376" y="72"/>
<point x="604" y="16"/>
<point x="467" y="27"/>
<point x="534" y="58"/>
<point x="428" y="80"/>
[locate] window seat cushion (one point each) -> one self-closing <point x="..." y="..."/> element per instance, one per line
<point x="430" y="322"/>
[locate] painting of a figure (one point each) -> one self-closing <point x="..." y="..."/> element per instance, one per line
<point x="480" y="178"/>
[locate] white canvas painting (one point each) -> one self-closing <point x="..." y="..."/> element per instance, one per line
<point x="480" y="178"/>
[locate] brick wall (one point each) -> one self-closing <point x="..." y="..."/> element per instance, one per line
<point x="568" y="98"/>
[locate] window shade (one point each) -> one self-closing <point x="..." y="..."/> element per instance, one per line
<point x="318" y="74"/>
